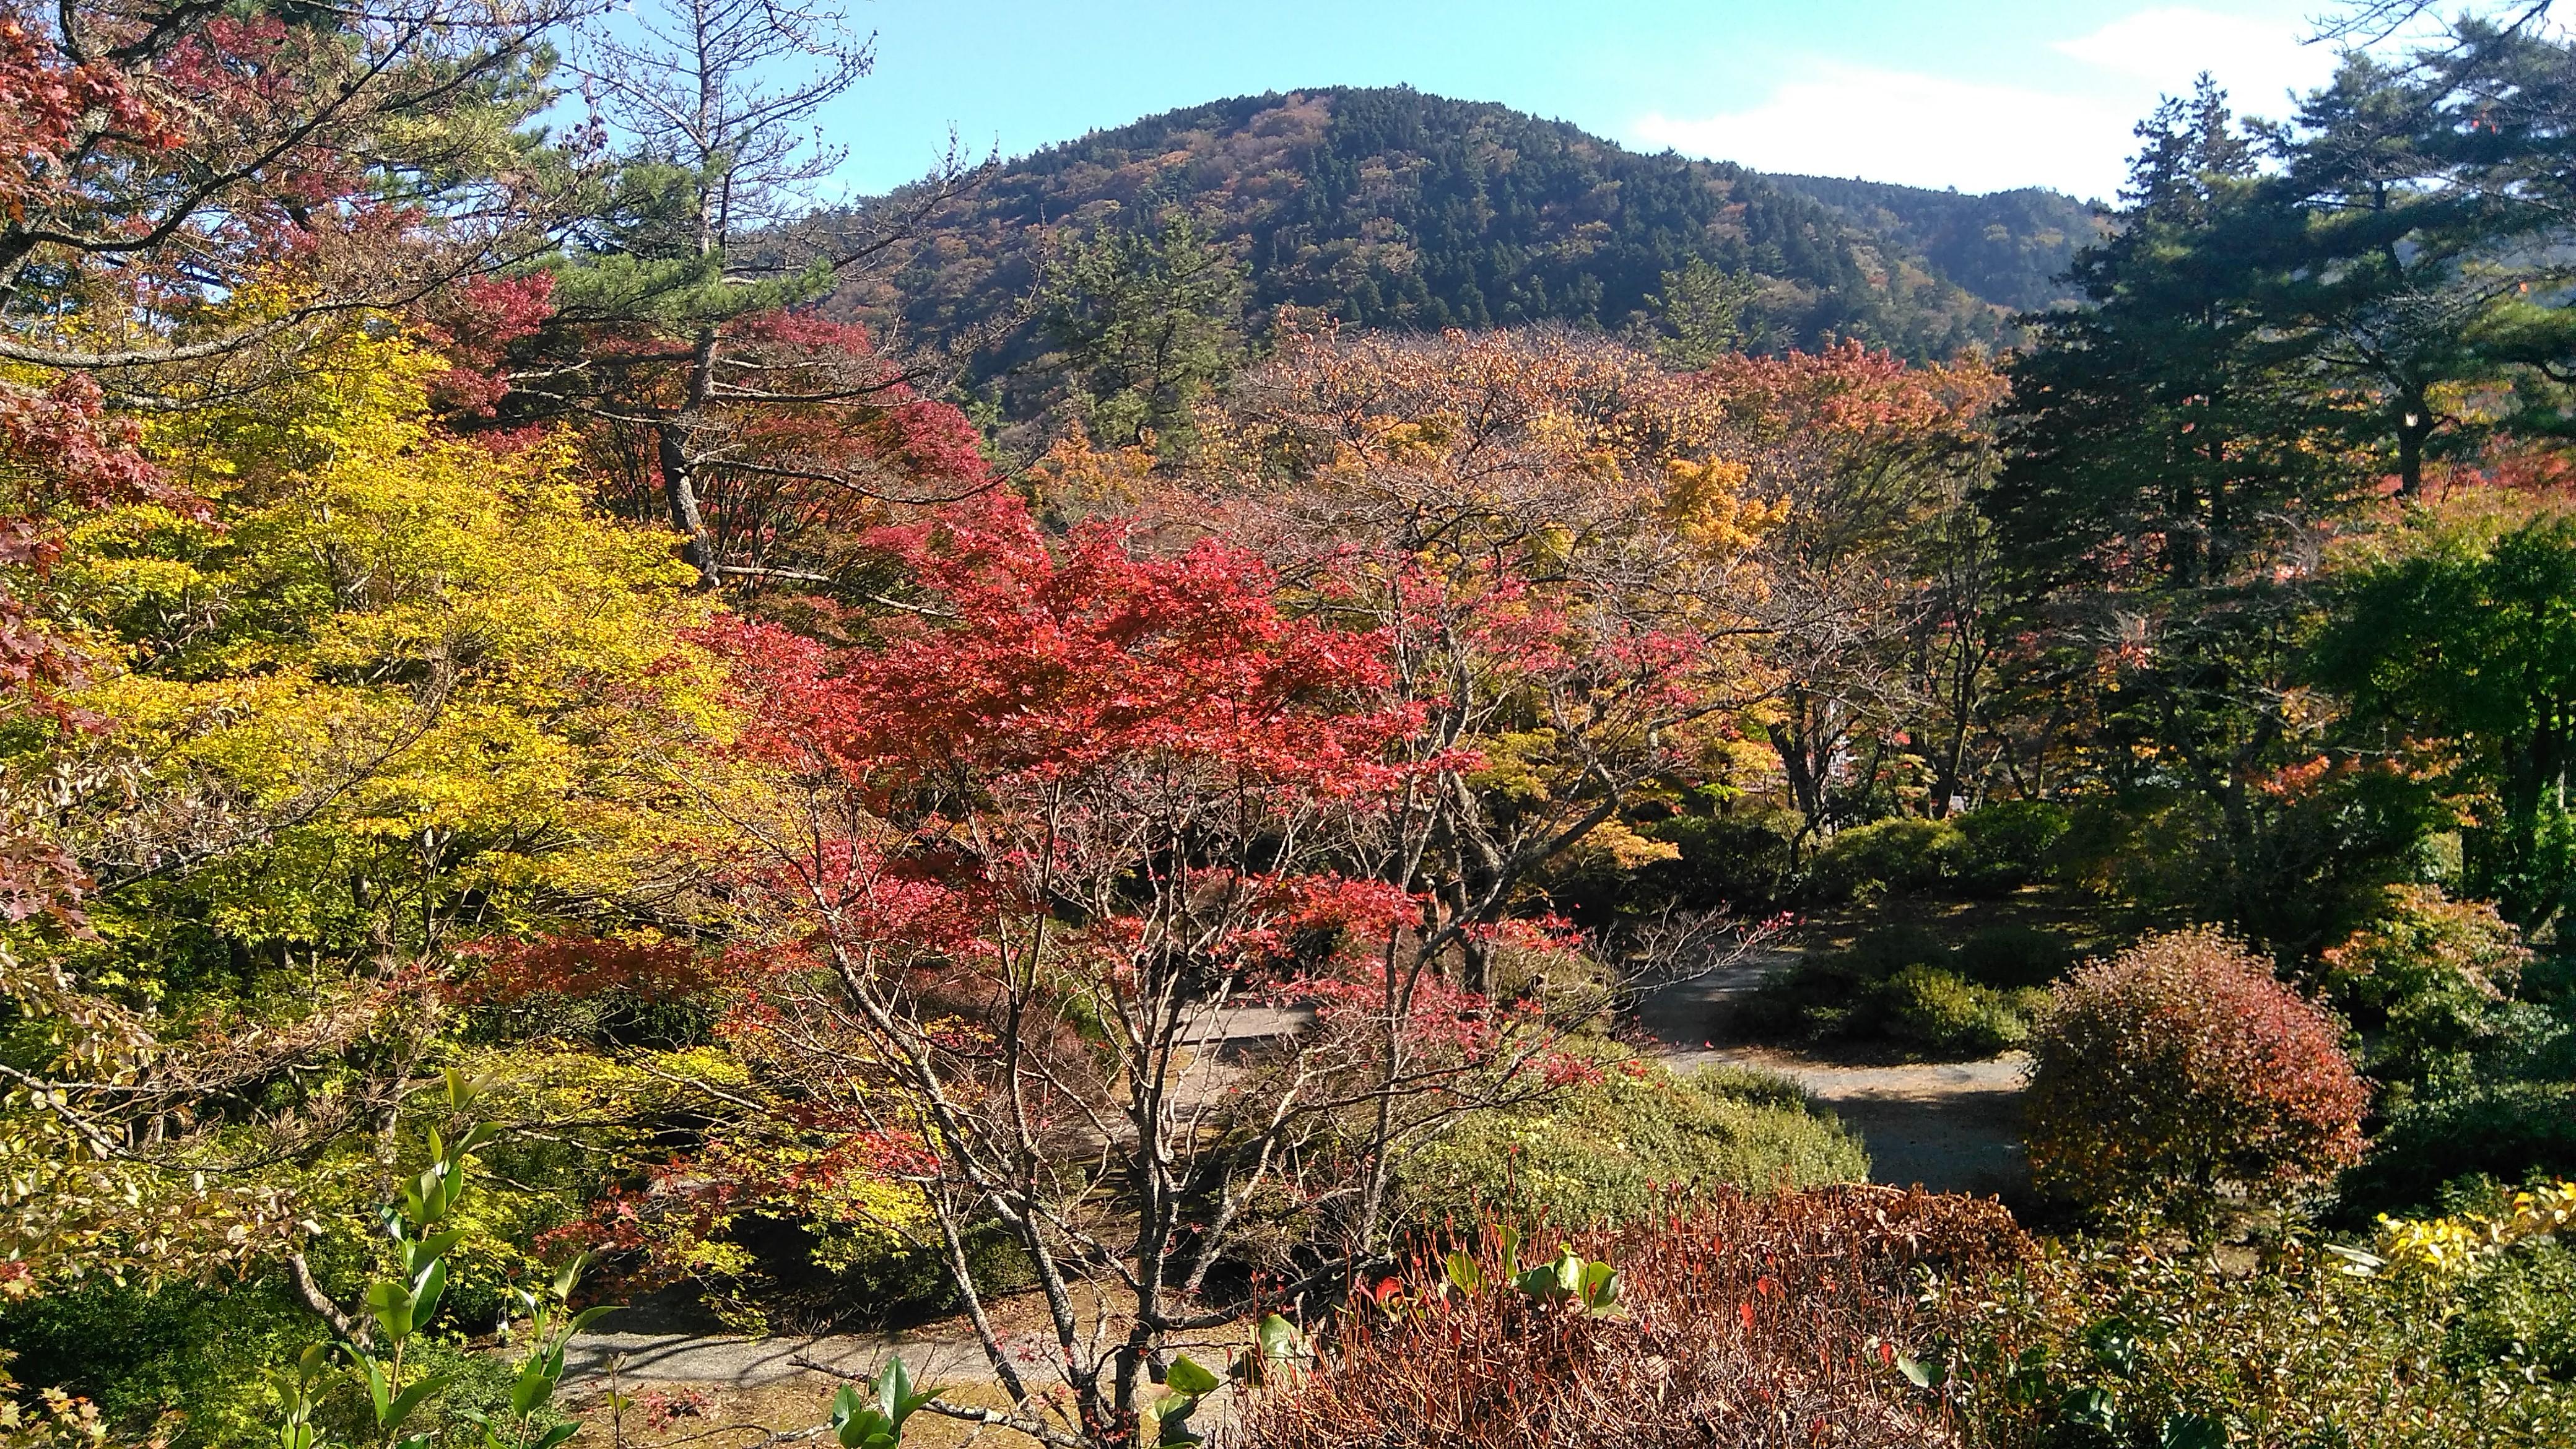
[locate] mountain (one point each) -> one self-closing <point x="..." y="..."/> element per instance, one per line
<point x="2007" y="247"/>
<point x="1392" y="208"/>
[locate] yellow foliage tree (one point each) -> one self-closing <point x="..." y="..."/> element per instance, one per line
<point x="388" y="690"/>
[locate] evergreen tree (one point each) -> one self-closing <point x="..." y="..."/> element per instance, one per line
<point x="1708" y="313"/>
<point x="1147" y="321"/>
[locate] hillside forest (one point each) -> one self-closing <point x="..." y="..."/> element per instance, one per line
<point x="1100" y="760"/>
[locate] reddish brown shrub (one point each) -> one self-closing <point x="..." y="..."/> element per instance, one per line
<point x="1746" y="1321"/>
<point x="2182" y="1068"/>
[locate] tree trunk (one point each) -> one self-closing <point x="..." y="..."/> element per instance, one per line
<point x="680" y="492"/>
<point x="672" y="438"/>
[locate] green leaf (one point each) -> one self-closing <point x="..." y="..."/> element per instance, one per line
<point x="435" y="1246"/>
<point x="1280" y="1341"/>
<point x="589" y="1316"/>
<point x="377" y="1389"/>
<point x="462" y="1089"/>
<point x="1511" y="1243"/>
<point x="2191" y="1431"/>
<point x="426" y="1293"/>
<point x="1600" y="1285"/>
<point x="865" y="1427"/>
<point x="1462" y="1270"/>
<point x="557" y="1434"/>
<point x="534" y="1389"/>
<point x="893" y="1384"/>
<point x="2089" y="1408"/>
<point x="391" y="1303"/>
<point x="410" y="1398"/>
<point x="568" y="1277"/>
<point x="1921" y="1375"/>
<point x="1569" y="1271"/>
<point x="1189" y="1377"/>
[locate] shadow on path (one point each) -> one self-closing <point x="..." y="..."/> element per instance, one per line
<point x="1950" y="1126"/>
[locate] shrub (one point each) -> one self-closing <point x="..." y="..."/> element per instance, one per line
<point x="1882" y="951"/>
<point x="1747" y="1321"/>
<point x="2124" y="1347"/>
<point x="195" y="1364"/>
<point x="1895" y="986"/>
<point x="2429" y="981"/>
<point x="1741" y="859"/>
<point x="1902" y="854"/>
<point x="2180" y="1068"/>
<point x="2006" y="845"/>
<point x="1606" y="1151"/>
<point x="2012" y="957"/>
<point x="2506" y="1130"/>
<point x="1937" y="1013"/>
<point x="2149" y="851"/>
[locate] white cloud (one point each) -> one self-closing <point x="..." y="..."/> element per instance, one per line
<point x="2259" y="62"/>
<point x="1922" y="130"/>
<point x="2070" y="130"/>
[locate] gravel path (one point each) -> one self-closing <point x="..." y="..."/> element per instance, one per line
<point x="718" y="1358"/>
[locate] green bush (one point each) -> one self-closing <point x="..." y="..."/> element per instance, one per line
<point x="2102" y="1346"/>
<point x="1607" y="1151"/>
<point x="1882" y="951"/>
<point x="2007" y="843"/>
<point x="208" y="1355"/>
<point x="1893" y="986"/>
<point x="2510" y="1131"/>
<point x="1902" y="854"/>
<point x="2012" y="957"/>
<point x="1745" y="859"/>
<point x="2430" y="984"/>
<point x="1937" y="1013"/>
<point x="2148" y="851"/>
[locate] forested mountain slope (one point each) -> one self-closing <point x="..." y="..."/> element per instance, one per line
<point x="1396" y="208"/>
<point x="2007" y="247"/>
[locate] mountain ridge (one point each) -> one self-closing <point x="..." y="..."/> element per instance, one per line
<point x="1391" y="207"/>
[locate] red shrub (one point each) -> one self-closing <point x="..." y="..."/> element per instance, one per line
<point x="2183" y="1067"/>
<point x="1746" y="1321"/>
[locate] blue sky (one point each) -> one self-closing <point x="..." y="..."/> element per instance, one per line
<point x="1934" y="93"/>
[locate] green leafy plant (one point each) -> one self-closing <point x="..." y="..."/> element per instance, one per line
<point x="1277" y="1349"/>
<point x="862" y="1423"/>
<point x="1166" y="1417"/>
<point x="526" y="1425"/>
<point x="1572" y="1282"/>
<point x="403" y="1305"/>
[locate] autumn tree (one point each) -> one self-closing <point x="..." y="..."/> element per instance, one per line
<point x="1025" y="864"/>
<point x="380" y="692"/>
<point x="1875" y="619"/>
<point x="1543" y="527"/>
<point x="189" y="183"/>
